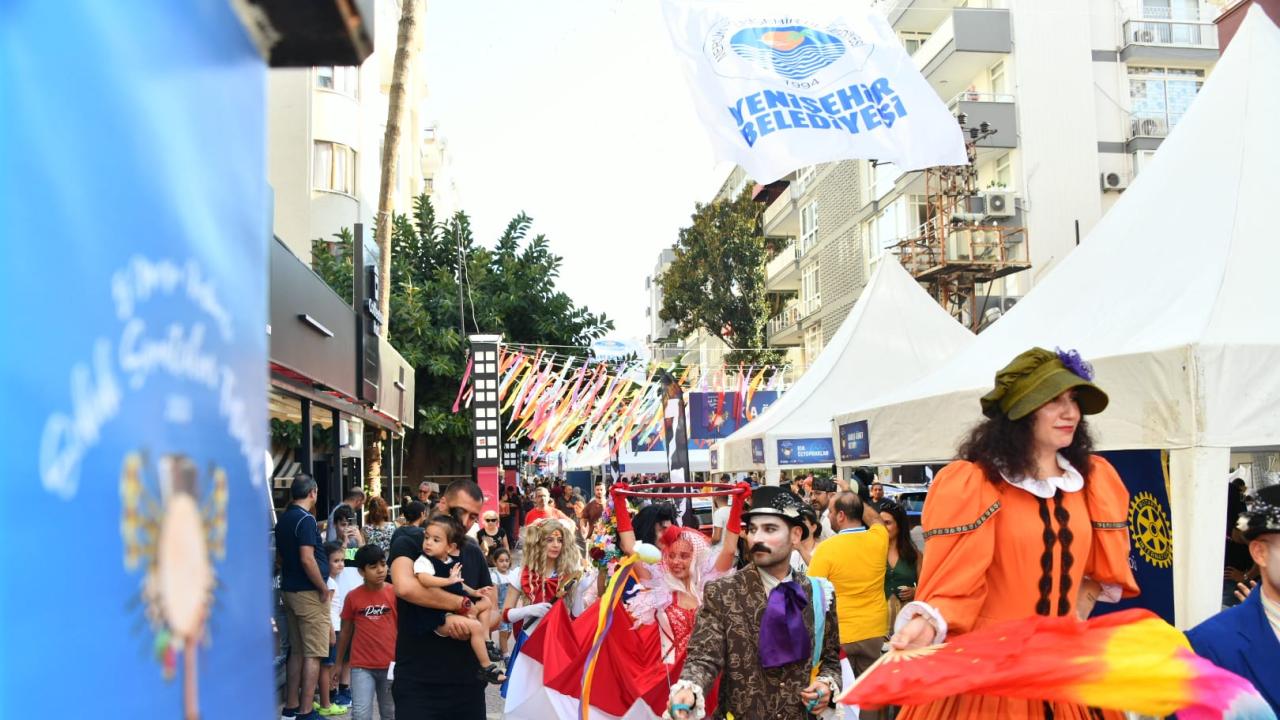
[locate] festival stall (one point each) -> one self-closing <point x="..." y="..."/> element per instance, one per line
<point x="895" y="334"/>
<point x="1171" y="298"/>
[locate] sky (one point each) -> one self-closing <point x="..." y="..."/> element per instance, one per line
<point x="577" y="113"/>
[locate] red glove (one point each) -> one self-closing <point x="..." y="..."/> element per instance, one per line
<point x="736" y="505"/>
<point x="620" y="511"/>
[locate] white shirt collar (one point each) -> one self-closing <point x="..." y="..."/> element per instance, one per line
<point x="770" y="582"/>
<point x="1069" y="481"/>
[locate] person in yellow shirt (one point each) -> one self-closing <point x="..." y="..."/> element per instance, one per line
<point x="854" y="562"/>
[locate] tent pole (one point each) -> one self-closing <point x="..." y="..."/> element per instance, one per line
<point x="1198" y="500"/>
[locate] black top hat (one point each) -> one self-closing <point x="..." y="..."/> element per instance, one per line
<point x="1262" y="515"/>
<point x="779" y="502"/>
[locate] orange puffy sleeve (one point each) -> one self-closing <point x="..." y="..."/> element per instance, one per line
<point x="959" y="544"/>
<point x="1108" y="501"/>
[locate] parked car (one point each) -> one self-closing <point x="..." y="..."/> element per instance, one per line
<point x="910" y="497"/>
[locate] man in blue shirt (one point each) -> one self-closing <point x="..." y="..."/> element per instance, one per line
<point x="1246" y="639"/>
<point x="304" y="571"/>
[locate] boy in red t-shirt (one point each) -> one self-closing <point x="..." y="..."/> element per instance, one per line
<point x="369" y="614"/>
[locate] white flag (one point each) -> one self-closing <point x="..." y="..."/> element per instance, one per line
<point x="780" y="86"/>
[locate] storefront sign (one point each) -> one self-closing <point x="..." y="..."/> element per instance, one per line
<point x="855" y="443"/>
<point x="805" y="451"/>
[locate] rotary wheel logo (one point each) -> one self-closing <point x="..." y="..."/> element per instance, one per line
<point x="1149" y="528"/>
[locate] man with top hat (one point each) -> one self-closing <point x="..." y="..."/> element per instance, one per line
<point x="1246" y="639"/>
<point x="770" y="634"/>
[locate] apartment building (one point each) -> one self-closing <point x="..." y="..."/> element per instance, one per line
<point x="661" y="332"/>
<point x="1079" y="96"/>
<point x="325" y="128"/>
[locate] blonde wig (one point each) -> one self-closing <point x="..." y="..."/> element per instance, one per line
<point x="568" y="567"/>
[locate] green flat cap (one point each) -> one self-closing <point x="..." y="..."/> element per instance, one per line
<point x="1037" y="376"/>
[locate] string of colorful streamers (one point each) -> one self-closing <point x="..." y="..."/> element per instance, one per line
<point x="549" y="397"/>
<point x="608" y="604"/>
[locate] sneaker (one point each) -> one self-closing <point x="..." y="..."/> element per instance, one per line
<point x="289" y="714"/>
<point x="343" y="698"/>
<point x="313" y="715"/>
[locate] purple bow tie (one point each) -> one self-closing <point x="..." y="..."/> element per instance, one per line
<point x="783" y="636"/>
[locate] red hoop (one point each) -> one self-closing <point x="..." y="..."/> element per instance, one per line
<point x="721" y="489"/>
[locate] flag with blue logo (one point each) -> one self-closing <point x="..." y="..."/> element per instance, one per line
<point x="815" y="82"/>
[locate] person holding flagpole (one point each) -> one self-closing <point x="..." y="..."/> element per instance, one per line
<point x="1028" y="523"/>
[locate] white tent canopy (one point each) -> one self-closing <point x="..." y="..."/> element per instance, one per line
<point x="1172" y="297"/>
<point x="895" y="334"/>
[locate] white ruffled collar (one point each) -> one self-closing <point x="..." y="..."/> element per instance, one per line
<point x="1068" y="482"/>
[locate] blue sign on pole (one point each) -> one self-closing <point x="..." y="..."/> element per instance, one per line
<point x="1146" y="475"/>
<point x="855" y="443"/>
<point x="757" y="451"/>
<point x="805" y="451"/>
<point x="136" y="211"/>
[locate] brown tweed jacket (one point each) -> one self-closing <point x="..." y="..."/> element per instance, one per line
<point x="726" y="643"/>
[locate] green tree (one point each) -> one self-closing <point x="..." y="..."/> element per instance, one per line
<point x="509" y="290"/>
<point x="716" y="282"/>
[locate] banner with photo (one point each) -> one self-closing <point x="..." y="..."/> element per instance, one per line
<point x="757" y="451"/>
<point x="137" y="207"/>
<point x="815" y="81"/>
<point x="714" y="415"/>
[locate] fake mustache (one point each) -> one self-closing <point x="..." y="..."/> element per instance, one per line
<point x="760" y="547"/>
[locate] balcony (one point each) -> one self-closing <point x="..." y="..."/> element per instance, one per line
<point x="915" y="15"/>
<point x="782" y="273"/>
<point x="782" y="217"/>
<point x="1161" y="41"/>
<point x="784" y="328"/>
<point x="996" y="109"/>
<point x="964" y="45"/>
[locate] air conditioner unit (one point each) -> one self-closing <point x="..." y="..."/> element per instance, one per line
<point x="1113" y="182"/>
<point x="999" y="203"/>
<point x="1150" y="127"/>
<point x="1144" y="36"/>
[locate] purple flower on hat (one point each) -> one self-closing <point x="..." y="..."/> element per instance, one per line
<point x="1076" y="364"/>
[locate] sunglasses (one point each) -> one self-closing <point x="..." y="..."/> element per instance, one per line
<point x="491" y="519"/>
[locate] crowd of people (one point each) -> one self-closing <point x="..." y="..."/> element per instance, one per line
<point x="793" y="591"/>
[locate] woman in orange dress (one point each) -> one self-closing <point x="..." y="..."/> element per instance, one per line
<point x="1029" y="522"/>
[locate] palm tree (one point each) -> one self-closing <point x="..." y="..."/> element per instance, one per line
<point x="406" y="44"/>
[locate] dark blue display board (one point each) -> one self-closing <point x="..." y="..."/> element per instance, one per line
<point x="806" y="451"/>
<point x="136" y="221"/>
<point x="1146" y="475"/>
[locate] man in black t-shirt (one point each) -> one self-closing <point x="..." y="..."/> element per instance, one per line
<point x="437" y="677"/>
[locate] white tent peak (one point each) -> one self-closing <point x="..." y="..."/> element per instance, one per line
<point x="895" y="333"/>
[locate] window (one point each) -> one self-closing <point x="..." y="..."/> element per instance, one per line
<point x="912" y="41"/>
<point x="1171" y="9"/>
<point x="903" y="219"/>
<point x="803" y="177"/>
<point x="996" y="76"/>
<point x="810" y="290"/>
<point x="1159" y="97"/>
<point x="1004" y="171"/>
<point x="343" y="79"/>
<point x="812" y="344"/>
<point x="808" y="227"/>
<point x="334" y="168"/>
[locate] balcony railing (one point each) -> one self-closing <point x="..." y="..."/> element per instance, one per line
<point x="789" y="316"/>
<point x="1172" y="33"/>
<point x="969" y="96"/>
<point x="811" y="305"/>
<point x="1155" y="126"/>
<point x="782" y="262"/>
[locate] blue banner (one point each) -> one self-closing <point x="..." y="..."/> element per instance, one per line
<point x="136" y="210"/>
<point x="806" y="451"/>
<point x="714" y="417"/>
<point x="757" y="451"/>
<point x="855" y="442"/>
<point x="1146" y="475"/>
<point x="653" y="442"/>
